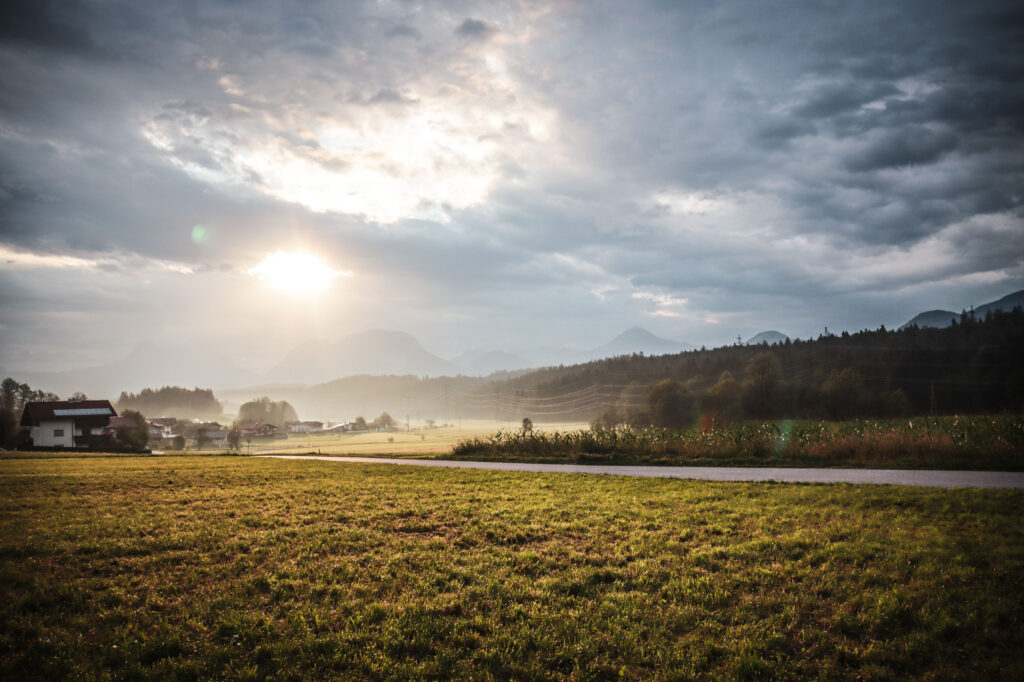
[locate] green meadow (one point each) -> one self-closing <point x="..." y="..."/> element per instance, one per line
<point x="181" y="568"/>
<point x="416" y="442"/>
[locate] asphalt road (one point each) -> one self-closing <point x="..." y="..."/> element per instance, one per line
<point x="931" y="479"/>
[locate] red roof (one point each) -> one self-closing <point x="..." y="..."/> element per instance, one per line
<point x="122" y="423"/>
<point x="257" y="427"/>
<point x="98" y="412"/>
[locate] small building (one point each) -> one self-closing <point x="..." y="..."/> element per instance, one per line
<point x="121" y="423"/>
<point x="67" y="423"/>
<point x="163" y="422"/>
<point x="161" y="428"/>
<point x="305" y="427"/>
<point x="347" y="427"/>
<point x="218" y="438"/>
<point x="258" y="430"/>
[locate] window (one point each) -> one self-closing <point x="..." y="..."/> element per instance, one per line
<point x="58" y="433"/>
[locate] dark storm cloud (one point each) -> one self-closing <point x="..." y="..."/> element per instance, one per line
<point x="774" y="133"/>
<point x="43" y="24"/>
<point x="895" y="86"/>
<point x="836" y="98"/>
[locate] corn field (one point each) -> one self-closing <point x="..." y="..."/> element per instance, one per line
<point x="935" y="442"/>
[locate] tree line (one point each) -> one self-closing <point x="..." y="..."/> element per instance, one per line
<point x="266" y="411"/>
<point x="971" y="367"/>
<point x="13" y="396"/>
<point x="172" y="401"/>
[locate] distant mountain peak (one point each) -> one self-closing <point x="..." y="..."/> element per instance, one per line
<point x="637" y="340"/>
<point x="372" y="351"/>
<point x="770" y="337"/>
<point x="637" y="334"/>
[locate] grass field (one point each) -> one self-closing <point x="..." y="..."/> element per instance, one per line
<point x="238" y="568"/>
<point x="415" y="442"/>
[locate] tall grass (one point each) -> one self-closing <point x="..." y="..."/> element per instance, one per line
<point x="958" y="442"/>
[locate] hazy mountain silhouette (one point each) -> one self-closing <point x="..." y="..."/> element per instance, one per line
<point x="441" y="397"/>
<point x="943" y="318"/>
<point x="638" y="340"/>
<point x="374" y="352"/>
<point x="370" y="352"/>
<point x="633" y="340"/>
<point x="368" y="396"/>
<point x="372" y="371"/>
<point x="482" y="363"/>
<point x="379" y="352"/>
<point x="770" y="337"/>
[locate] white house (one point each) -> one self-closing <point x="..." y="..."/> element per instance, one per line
<point x="65" y="423"/>
<point x="305" y="427"/>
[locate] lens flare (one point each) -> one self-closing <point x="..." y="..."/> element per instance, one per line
<point x="785" y="429"/>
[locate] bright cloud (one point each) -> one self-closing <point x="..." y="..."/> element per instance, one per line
<point x="423" y="152"/>
<point x="665" y="304"/>
<point x="15" y="259"/>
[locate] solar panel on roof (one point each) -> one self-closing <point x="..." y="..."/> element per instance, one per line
<point x="82" y="412"/>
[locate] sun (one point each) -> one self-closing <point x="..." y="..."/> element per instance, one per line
<point x="295" y="273"/>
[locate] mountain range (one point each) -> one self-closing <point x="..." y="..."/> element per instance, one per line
<point x="373" y="352"/>
<point x="370" y="352"/>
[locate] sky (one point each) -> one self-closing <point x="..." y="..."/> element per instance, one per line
<point x="244" y="176"/>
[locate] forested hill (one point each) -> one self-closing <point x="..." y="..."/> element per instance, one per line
<point x="974" y="366"/>
<point x="172" y="401"/>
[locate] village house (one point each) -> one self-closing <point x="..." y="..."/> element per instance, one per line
<point x="71" y="424"/>
<point x="305" y="427"/>
<point x="347" y="427"/>
<point x="258" y="430"/>
<point x="217" y="438"/>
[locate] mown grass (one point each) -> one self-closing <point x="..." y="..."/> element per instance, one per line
<point x="235" y="568"/>
<point x="984" y="442"/>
